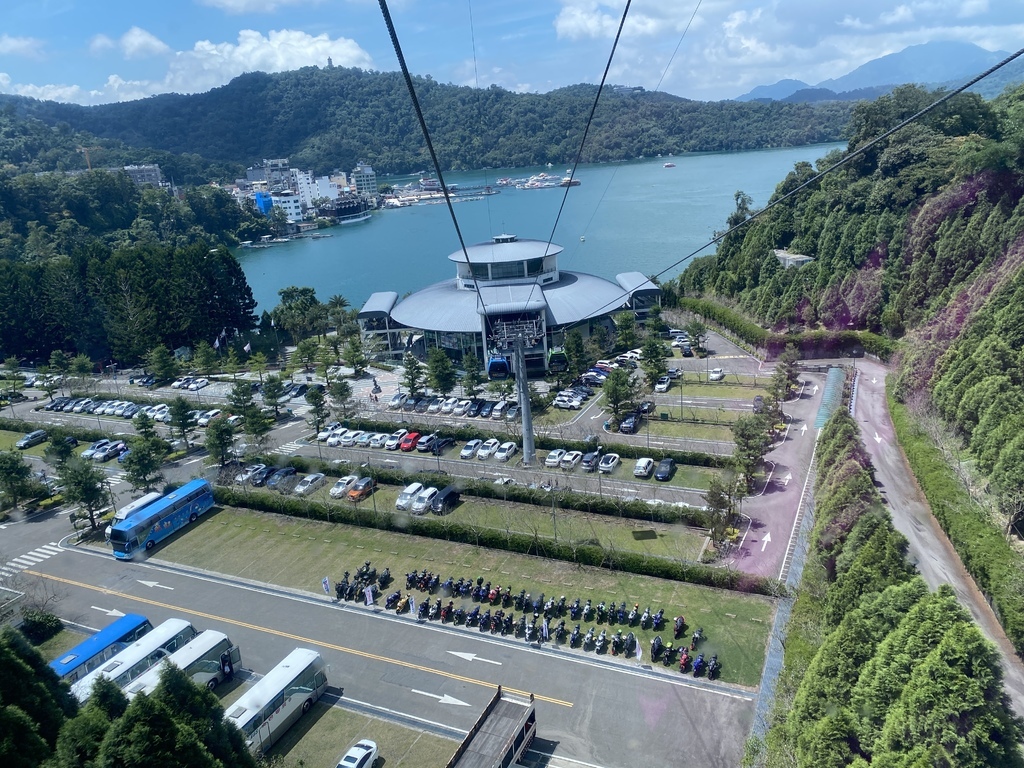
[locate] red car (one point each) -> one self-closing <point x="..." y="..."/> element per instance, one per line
<point x="409" y="442"/>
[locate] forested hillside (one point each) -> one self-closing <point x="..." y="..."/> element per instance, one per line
<point x="325" y="119"/>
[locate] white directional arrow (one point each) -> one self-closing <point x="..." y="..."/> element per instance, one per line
<point x="473" y="657"/>
<point x="874" y="380"/>
<point x="445" y="699"/>
<point x="815" y="389"/>
<point x="152" y="584"/>
<point x="787" y="478"/>
<point x="803" y="430"/>
<point x="877" y="438"/>
<point x="109" y="611"/>
<point x="766" y="540"/>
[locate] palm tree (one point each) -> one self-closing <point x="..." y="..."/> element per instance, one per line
<point x="337" y="301"/>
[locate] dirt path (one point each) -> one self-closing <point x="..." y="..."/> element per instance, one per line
<point x="930" y="549"/>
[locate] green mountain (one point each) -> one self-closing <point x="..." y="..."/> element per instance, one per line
<point x="331" y="118"/>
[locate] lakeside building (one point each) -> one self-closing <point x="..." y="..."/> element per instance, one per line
<point x="364" y="180"/>
<point x="289" y="202"/>
<point x="520" y="285"/>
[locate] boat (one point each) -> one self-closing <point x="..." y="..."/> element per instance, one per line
<point x="669" y="165"/>
<point x="569" y="181"/>
<point x="355" y="218"/>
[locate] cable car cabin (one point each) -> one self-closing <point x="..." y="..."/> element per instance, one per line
<point x="498" y="368"/>
<point x="557" y="361"/>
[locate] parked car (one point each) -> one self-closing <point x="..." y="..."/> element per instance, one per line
<point x="554" y="458"/>
<point x="423" y="404"/>
<point x="362" y="755"/>
<point x="350" y="437"/>
<point x="378" y="439"/>
<point x="570" y="460"/>
<point x="512" y="413"/>
<point x="423" y="501"/>
<point x="666" y="468"/>
<point x="334" y="441"/>
<point x="445" y="501"/>
<point x="630" y="424"/>
<point x="81" y="405"/>
<point x="461" y="407"/>
<point x="759" y="404"/>
<point x="486" y="409"/>
<point x="341" y="488"/>
<point x="409" y="442"/>
<point x="281" y="478"/>
<point x="110" y="451"/>
<point x="409" y="405"/>
<point x="361" y="488"/>
<point x="590" y="461"/>
<point x="567" y="403"/>
<point x="487" y="449"/>
<point x="397" y="401"/>
<point x="198" y="384"/>
<point x="506" y="451"/>
<point x="647" y="406"/>
<point x="469" y="449"/>
<point x="310" y="483"/>
<point x="663" y="384"/>
<point x="32" y="438"/>
<point x="426" y="443"/>
<point x="206" y="418"/>
<point x="392" y="443"/>
<point x="449" y="405"/>
<point x="717" y="374"/>
<point x="235" y="421"/>
<point x="498" y="411"/>
<point x="183" y="382"/>
<point x="441" y="445"/>
<point x="408" y="495"/>
<point x="643" y="468"/>
<point x="247" y="473"/>
<point x="474" y="408"/>
<point x="434" y="406"/>
<point x="608" y="463"/>
<point x="324" y="433"/>
<point x="99" y="445"/>
<point x="260" y="477"/>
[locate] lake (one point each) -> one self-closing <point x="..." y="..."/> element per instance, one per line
<point x="624" y="217"/>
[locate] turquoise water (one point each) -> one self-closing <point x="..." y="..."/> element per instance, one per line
<point x="624" y="217"/>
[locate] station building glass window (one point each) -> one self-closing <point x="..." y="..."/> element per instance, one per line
<point x="506" y="270"/>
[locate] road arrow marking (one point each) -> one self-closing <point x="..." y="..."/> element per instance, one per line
<point x="874" y="380"/>
<point x="108" y="611"/>
<point x="878" y="439"/>
<point x="766" y="540"/>
<point x="803" y="430"/>
<point x="815" y="390"/>
<point x="445" y="699"/>
<point x="153" y="584"/>
<point x="473" y="657"/>
<point x="787" y="478"/>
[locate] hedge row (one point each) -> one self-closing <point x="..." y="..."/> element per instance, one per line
<point x="486" y="489"/>
<point x="985" y="553"/>
<point x="544" y="442"/>
<point x="81" y="433"/>
<point x="441" y="529"/>
<point x="819" y="343"/>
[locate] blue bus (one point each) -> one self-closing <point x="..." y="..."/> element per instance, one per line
<point x="95" y="650"/>
<point x="151" y="525"/>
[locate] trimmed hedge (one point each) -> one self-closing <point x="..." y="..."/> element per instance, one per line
<point x="441" y="529"/>
<point x="80" y="433"/>
<point x="817" y="343"/>
<point x="985" y="553"/>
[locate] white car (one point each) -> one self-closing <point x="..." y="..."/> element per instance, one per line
<point x="461" y="407"/>
<point x="449" y="405"/>
<point x="717" y="374"/>
<point x="324" y="433"/>
<point x="310" y="483"/>
<point x="182" y="383"/>
<point x="643" y="468"/>
<point x="397" y="401"/>
<point x="422" y="502"/>
<point x="246" y="474"/>
<point x="663" y="384"/>
<point x="206" y="418"/>
<point x="236" y="420"/>
<point x="198" y="384"/>
<point x="392" y="443"/>
<point x="435" y="405"/>
<point x="506" y="451"/>
<point x="362" y="755"/>
<point x="378" y="440"/>
<point x="554" y="458"/>
<point x="567" y="404"/>
<point x="469" y="450"/>
<point x="336" y="437"/>
<point x="350" y="437"/>
<point x="487" y="449"/>
<point x="570" y="460"/>
<point x="608" y="463"/>
<point x="408" y="495"/>
<point x="340" y="489"/>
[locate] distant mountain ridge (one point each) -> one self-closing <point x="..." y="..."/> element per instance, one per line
<point x="940" y="63"/>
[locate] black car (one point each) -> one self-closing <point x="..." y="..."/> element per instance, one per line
<point x="486" y="408"/>
<point x="759" y="404"/>
<point x="57" y="404"/>
<point x="583" y="389"/>
<point x="259" y="478"/>
<point x="281" y="478"/>
<point x="474" y="408"/>
<point x="442" y="444"/>
<point x="422" y="404"/>
<point x="409" y="405"/>
<point x="630" y="424"/>
<point x="666" y="468"/>
<point x="647" y="406"/>
<point x="590" y="461"/>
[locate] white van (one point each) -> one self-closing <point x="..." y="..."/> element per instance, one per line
<point x="408" y="495"/>
<point x="498" y="412"/>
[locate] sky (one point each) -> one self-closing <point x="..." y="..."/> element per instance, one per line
<point x="99" y="51"/>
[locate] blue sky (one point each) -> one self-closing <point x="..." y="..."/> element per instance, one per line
<point x="95" y="51"/>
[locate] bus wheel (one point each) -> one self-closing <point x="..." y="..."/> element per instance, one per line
<point x="306" y="705"/>
<point x="192" y="517"/>
<point x="211" y="683"/>
<point x="149" y="544"/>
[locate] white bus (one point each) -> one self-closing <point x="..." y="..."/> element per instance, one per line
<point x="287" y="692"/>
<point x="130" y="509"/>
<point x="139" y="657"/>
<point x="209" y="658"/>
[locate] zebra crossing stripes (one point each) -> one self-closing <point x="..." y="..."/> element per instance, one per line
<point x="117" y="479"/>
<point x="288" y="448"/>
<point x="17" y="564"/>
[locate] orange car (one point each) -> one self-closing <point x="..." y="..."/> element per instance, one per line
<point x="362" y="488"/>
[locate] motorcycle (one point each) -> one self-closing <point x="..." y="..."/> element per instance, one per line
<point x="485" y="620"/>
<point x="588" y="611"/>
<point x="352" y="592"/>
<point x="713" y="667"/>
<point x="448" y="586"/>
<point x="617" y="643"/>
<point x="657" y="646"/>
<point x="560" y="632"/>
<point x="423" y="609"/>
<point x="645" y="618"/>
<point x="411" y="580"/>
<point x="507" y="624"/>
<point x="506" y="597"/>
<point x="446" y="612"/>
<point x="629" y="645"/>
<point x="549" y="609"/>
<point x="521" y="626"/>
<point x="669" y="653"/>
<point x="621" y="613"/>
<point x="574" y="638"/>
<point x="600" y="642"/>
<point x="466" y="588"/>
<point x="574" y="610"/>
<point x="435" y="610"/>
<point x="423" y="581"/>
<point x="680" y="627"/>
<point x="473" y="616"/>
<point x="385" y="578"/>
<point x="392" y="600"/>
<point x="698" y="664"/>
<point x="658" y="620"/>
<point x="538" y="604"/>
<point x="684" y="660"/>
<point x="602" y="612"/>
<point x="496" y="622"/>
<point x="589" y="639"/>
<point x="402" y="605"/>
<point x="634" y="613"/>
<point x="363" y="570"/>
<point x="435" y="582"/>
<point x="698" y="635"/>
<point x="458" y="616"/>
<point x="493" y="595"/>
<point x="560" y="606"/>
<point x="339" y="590"/>
<point x="532" y="631"/>
<point x="520" y="600"/>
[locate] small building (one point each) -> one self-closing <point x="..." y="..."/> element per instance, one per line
<point x="364" y="180"/>
<point x="290" y="203"/>
<point x="501" y="735"/>
<point x="643" y="292"/>
<point x="144" y="175"/>
<point x="787" y="259"/>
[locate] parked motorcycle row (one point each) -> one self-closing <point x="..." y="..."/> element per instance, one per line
<point x="539" y="618"/>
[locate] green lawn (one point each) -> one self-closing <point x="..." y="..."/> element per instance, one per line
<point x="688" y="430"/>
<point x="60" y="643"/>
<point x="8" y="439"/>
<point x="297" y="553"/>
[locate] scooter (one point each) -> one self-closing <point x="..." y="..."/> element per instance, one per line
<point x="713" y="667"/>
<point x="657" y="646"/>
<point x="634" y="613"/>
<point x="617" y="643"/>
<point x="680" y="627"/>
<point x="600" y="642"/>
<point x="435" y="610"/>
<point x="589" y="639"/>
<point x="392" y="600"/>
<point x="621" y="613"/>
<point x="403" y="605"/>
<point x="645" y="618"/>
<point x="684" y="660"/>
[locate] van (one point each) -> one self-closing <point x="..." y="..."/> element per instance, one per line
<point x="498" y="412"/>
<point x="445" y="501"/>
<point x="408" y="495"/>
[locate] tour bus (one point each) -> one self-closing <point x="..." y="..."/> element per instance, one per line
<point x="139" y="657"/>
<point x="130" y="509"/>
<point x="97" y="648"/>
<point x="209" y="658"/>
<point x="148" y="527"/>
<point x="272" y="706"/>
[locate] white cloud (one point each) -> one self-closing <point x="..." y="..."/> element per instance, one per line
<point x="901" y="14"/>
<point x="137" y="43"/>
<point x="29" y="47"/>
<point x="101" y="43"/>
<point x="972" y="8"/>
<point x="253" y="6"/>
<point x="851" y="22"/>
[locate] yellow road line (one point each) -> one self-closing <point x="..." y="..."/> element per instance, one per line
<point x="299" y="638"/>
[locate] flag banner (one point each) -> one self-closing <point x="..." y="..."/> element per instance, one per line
<point x="369" y="595"/>
<point x="247" y="347"/>
<point x="216" y="343"/>
<point x="327" y="585"/>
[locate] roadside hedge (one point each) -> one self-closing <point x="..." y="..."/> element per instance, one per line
<point x="985" y="553"/>
<point x="443" y="530"/>
<point x="81" y="433"/>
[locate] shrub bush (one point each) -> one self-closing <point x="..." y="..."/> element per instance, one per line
<point x="39" y="626"/>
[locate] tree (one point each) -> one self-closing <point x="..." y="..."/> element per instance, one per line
<point x="240" y="400"/>
<point x="47" y="381"/>
<point x="61" y="363"/>
<point x="58" y="450"/>
<point x="232" y="365"/>
<point x="83" y="485"/>
<point x="750" y="432"/>
<point x="14" y="476"/>
<point x="318" y="409"/>
<point x="788" y="361"/>
<point x="162" y="364"/>
<point x="502" y="388"/>
<point x="618" y="390"/>
<point x="655" y="325"/>
<point x="306" y="352"/>
<point x="652" y="361"/>
<point x="355" y="358"/>
<point x="273" y="393"/>
<point x="441" y="372"/>
<point x="220" y="437"/>
<point x="473" y="379"/>
<point x="575" y="352"/>
<point x="257" y="426"/>
<point x="204" y="358"/>
<point x="183" y="421"/>
<point x="82" y="367"/>
<point x="698" y="333"/>
<point x="626" y="329"/>
<point x="258" y="363"/>
<point x="143" y="462"/>
<point x="719" y="507"/>
<point x="341" y="395"/>
<point x="413" y="376"/>
<point x="12" y="366"/>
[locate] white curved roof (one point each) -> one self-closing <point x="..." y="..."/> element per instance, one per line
<point x="491" y="252"/>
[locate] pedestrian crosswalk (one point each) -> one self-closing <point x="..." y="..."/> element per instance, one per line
<point x="17" y="564"/>
<point x="286" y="449"/>
<point x="117" y="478"/>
